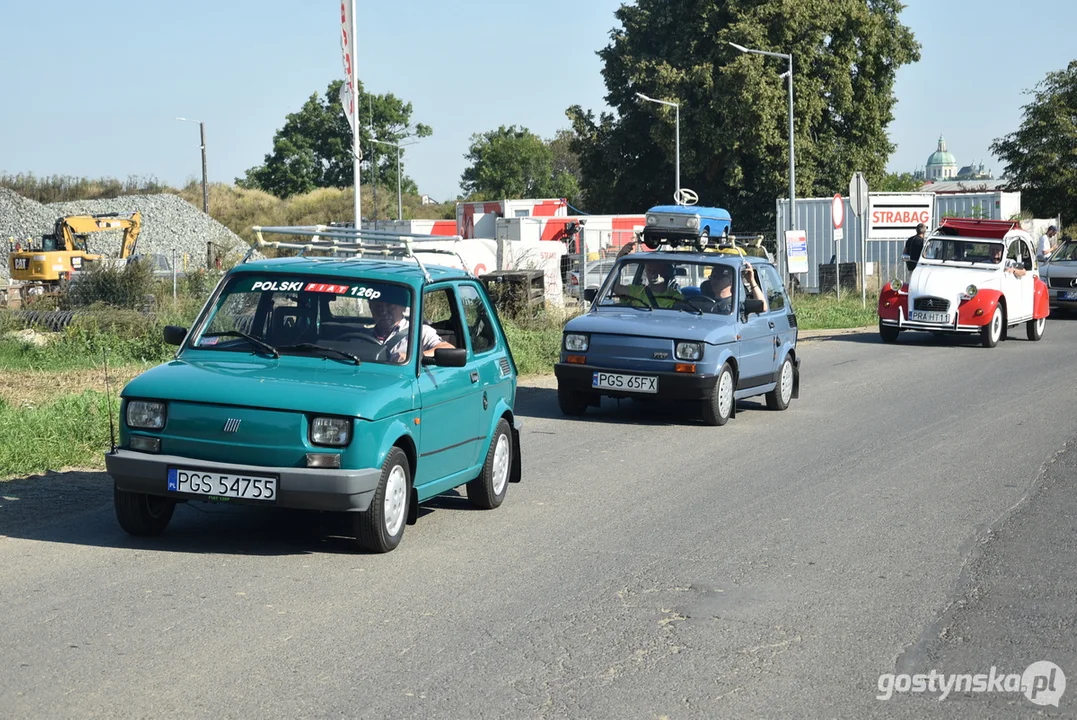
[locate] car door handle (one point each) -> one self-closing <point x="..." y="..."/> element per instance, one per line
<point x="474" y="376"/>
<point x="771" y="323"/>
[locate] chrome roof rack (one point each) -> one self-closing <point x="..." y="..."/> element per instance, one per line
<point x="344" y="238"/>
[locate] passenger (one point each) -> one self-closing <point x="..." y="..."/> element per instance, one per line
<point x="719" y="286"/>
<point x="390" y="323"/>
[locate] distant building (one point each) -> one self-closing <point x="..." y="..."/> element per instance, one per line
<point x="973" y="172"/>
<point x="941" y="165"/>
<point x="427" y="200"/>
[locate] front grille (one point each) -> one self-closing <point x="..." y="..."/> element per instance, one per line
<point x="931" y="304"/>
<point x="1059" y="282"/>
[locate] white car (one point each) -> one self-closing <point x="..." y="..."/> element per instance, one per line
<point x="973" y="277"/>
<point x="1059" y="273"/>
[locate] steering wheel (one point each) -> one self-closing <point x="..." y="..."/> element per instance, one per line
<point x="358" y="336"/>
<point x="708" y="303"/>
<point x="684" y="196"/>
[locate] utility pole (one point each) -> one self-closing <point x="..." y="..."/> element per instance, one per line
<point x="205" y="177"/>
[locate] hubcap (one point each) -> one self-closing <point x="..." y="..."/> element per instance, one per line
<point x="501" y="464"/>
<point x="725" y="394"/>
<point x="1039" y="325"/>
<point x="996" y="324"/>
<point x="396" y="490"/>
<point x="787" y="381"/>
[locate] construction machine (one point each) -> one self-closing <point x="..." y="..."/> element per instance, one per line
<point x="42" y="268"/>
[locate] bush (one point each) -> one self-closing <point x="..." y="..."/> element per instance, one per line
<point x="129" y="286"/>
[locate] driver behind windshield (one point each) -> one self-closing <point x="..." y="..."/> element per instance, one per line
<point x="657" y="286"/>
<point x="391" y="325"/>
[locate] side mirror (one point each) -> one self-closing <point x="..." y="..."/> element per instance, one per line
<point x="174" y="334"/>
<point x="751" y="305"/>
<point x="447" y="357"/>
<point x="905" y="257"/>
<point x="590" y="294"/>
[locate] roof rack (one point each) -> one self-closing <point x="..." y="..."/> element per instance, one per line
<point x="344" y="238"/>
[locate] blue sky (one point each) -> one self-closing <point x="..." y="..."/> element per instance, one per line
<point x="92" y="89"/>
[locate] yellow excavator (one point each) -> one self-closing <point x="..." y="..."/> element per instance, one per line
<point x="43" y="269"/>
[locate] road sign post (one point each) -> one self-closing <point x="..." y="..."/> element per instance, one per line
<point x="858" y="202"/>
<point x="837" y="214"/>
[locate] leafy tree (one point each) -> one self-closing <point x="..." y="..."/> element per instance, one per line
<point x="513" y="162"/>
<point x="733" y="106"/>
<point x="898" y="182"/>
<point x="1041" y="155"/>
<point x="313" y="149"/>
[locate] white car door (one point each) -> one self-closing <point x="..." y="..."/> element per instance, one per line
<point x="1018" y="290"/>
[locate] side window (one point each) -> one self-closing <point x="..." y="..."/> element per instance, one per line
<point x="479" y="327"/>
<point x="440" y="318"/>
<point x="772" y="288"/>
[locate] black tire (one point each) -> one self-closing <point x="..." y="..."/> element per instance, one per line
<point x="703" y="240"/>
<point x="488" y="490"/>
<point x="888" y="333"/>
<point x="1034" y="328"/>
<point x="719" y="406"/>
<point x="375" y="529"/>
<point x="992" y="332"/>
<point x="571" y="402"/>
<point x="140" y="514"/>
<point x="779" y="397"/>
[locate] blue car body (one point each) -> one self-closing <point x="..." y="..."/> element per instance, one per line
<point x="689" y="225"/>
<point x="628" y="350"/>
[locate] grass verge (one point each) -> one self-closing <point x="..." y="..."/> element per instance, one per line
<point x="826" y="312"/>
<point x="67" y="431"/>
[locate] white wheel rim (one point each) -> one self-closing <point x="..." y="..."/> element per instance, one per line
<point x="1039" y="325"/>
<point x="396" y="492"/>
<point x="996" y="324"/>
<point x="501" y="464"/>
<point x="725" y="394"/>
<point x="787" y="381"/>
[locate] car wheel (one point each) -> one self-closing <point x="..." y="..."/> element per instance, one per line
<point x="140" y="514"/>
<point x="380" y="527"/>
<point x="703" y="240"/>
<point x="888" y="333"/>
<point x="779" y="397"/>
<point x="718" y="408"/>
<point x="991" y="333"/>
<point x="571" y="402"/>
<point x="487" y="491"/>
<point x="1034" y="328"/>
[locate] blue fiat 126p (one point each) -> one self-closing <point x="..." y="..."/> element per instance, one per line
<point x="698" y="328"/>
<point x="306" y="382"/>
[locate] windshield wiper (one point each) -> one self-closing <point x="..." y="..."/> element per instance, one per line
<point x="249" y="338"/>
<point x="323" y="348"/>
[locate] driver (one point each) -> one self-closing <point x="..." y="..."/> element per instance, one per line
<point x="390" y="323"/>
<point x="658" y="281"/>
<point x="1012" y="266"/>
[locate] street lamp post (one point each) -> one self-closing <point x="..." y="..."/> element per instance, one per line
<point x="792" y="165"/>
<point x="677" y="132"/>
<point x="205" y="185"/>
<point x="399" y="197"/>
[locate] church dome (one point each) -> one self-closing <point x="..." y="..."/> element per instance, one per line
<point x="942" y="156"/>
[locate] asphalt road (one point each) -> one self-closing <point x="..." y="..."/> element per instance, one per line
<point x="913" y="510"/>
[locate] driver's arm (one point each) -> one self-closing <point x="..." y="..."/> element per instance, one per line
<point x="754" y="291"/>
<point x="431" y="341"/>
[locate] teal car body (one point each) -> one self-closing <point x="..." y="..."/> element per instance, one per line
<point x="281" y="394"/>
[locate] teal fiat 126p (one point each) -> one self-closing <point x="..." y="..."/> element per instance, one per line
<point x="306" y="383"/>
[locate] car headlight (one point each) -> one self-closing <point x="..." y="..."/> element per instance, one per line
<point x="331" y="431"/>
<point x="970" y="292"/>
<point x="688" y="351"/>
<point x="575" y="342"/>
<point x="895" y="284"/>
<point x="146" y="414"/>
<point x="692" y="222"/>
<point x="652" y="220"/>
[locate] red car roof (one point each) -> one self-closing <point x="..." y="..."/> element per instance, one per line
<point x="969" y="227"/>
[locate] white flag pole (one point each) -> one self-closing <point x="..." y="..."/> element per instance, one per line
<point x="356" y="151"/>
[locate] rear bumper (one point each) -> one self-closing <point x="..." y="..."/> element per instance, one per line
<point x="671" y="386"/>
<point x="299" y="488"/>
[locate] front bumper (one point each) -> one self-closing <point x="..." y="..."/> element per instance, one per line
<point x="956" y="326"/>
<point x="658" y="235"/>
<point x="671" y="386"/>
<point x="299" y="488"/>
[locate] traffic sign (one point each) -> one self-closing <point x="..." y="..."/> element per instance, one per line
<point x="837" y="208"/>
<point x="858" y="194"/>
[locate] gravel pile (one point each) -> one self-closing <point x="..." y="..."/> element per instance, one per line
<point x="168" y="222"/>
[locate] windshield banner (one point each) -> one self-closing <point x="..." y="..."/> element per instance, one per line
<point x="384" y="292"/>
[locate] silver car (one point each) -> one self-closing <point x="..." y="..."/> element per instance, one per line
<point x="1059" y="273"/>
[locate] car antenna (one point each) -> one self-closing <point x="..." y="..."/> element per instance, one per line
<point x="108" y="404"/>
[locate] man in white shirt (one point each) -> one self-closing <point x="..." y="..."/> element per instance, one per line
<point x="390" y="322"/>
<point x="1046" y="245"/>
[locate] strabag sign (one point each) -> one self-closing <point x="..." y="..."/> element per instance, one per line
<point x="894" y="216"/>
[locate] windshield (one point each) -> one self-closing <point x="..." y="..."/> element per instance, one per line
<point x="960" y="250"/>
<point x="688" y="286"/>
<point x="340" y="318"/>
<point x="1068" y="251"/>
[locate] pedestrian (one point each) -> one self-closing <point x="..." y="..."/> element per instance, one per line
<point x="914" y="246"/>
<point x="1046" y="245"/>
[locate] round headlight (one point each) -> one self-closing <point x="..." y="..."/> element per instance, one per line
<point x="652" y="220"/>
<point x="895" y="284"/>
<point x="971" y="291"/>
<point x="693" y="222"/>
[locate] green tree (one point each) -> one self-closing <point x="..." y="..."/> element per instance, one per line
<point x="1041" y="155"/>
<point x="513" y="162"/>
<point x="733" y="106"/>
<point x="898" y="182"/>
<point x="313" y="149"/>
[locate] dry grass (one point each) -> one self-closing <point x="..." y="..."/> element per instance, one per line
<point x="32" y="388"/>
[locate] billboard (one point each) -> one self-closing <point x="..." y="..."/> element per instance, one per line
<point x="894" y="216"/>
